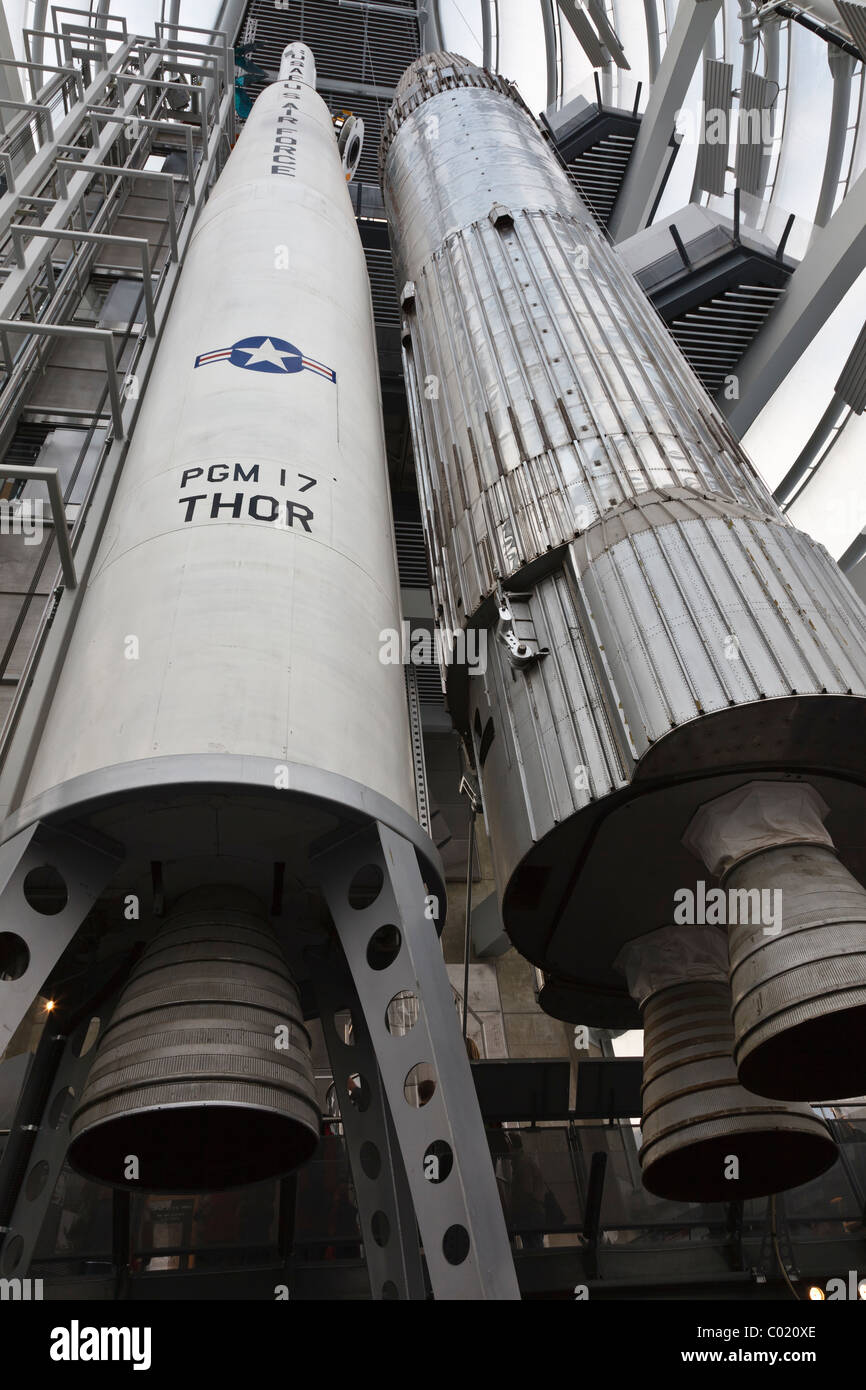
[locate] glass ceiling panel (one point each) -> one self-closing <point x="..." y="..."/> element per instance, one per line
<point x="807" y="122"/>
<point x="521" y="50"/>
<point x="786" y="423"/>
<point x="630" y="25"/>
<point x="462" y="29"/>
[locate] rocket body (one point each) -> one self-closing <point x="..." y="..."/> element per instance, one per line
<point x="678" y="635"/>
<point x="247" y="567"/>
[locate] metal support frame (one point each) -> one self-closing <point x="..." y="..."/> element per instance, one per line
<point x="416" y="735"/>
<point x="648" y="163"/>
<point x="548" y="21"/>
<point x="36" y="106"/>
<point x="162" y="83"/>
<point x="387" y="1217"/>
<point x="45" y="67"/>
<point x="171" y="47"/>
<point x="23" y="724"/>
<point x="85" y="867"/>
<point x="120" y="171"/>
<point x="49" y="1125"/>
<point x="391" y="948"/>
<point x="51" y="477"/>
<point x="65" y="330"/>
<point x="833" y="262"/>
<point x="37" y="171"/>
<point x="17" y="229"/>
<point x="165" y="127"/>
<point x="94" y="51"/>
<point x="651" y="15"/>
<point x="842" y="68"/>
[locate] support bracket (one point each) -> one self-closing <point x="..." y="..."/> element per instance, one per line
<point x="379" y="903"/>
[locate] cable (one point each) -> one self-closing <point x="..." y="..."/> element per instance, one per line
<point x="468" y="25"/>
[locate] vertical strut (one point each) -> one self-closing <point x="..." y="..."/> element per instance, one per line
<point x="388" y="1227"/>
<point x="384" y="919"/>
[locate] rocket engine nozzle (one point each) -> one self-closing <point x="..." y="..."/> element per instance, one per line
<point x="204" y="1075"/>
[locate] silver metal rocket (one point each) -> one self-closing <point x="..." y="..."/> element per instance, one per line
<point x="660" y="637"/>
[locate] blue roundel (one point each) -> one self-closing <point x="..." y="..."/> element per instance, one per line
<point x="267" y="354"/>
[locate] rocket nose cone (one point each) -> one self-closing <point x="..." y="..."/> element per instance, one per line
<point x="297" y="62"/>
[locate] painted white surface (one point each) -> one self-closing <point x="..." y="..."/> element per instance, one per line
<point x="252" y="639"/>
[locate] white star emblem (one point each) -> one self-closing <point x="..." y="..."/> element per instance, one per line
<point x="268" y="353"/>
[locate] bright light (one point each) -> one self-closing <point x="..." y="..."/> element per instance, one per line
<point x="816" y="1294"/>
<point x="49" y="1005"/>
<point x="861" y="1288"/>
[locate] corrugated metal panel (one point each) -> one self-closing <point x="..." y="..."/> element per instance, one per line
<point x="851" y="386"/>
<point x="712" y="611"/>
<point x="606" y="33"/>
<point x="758" y="95"/>
<point x="691" y="618"/>
<point x="854" y="15"/>
<point x="712" y="158"/>
<point x="508" y="482"/>
<point x="551" y="720"/>
<point x="583" y="32"/>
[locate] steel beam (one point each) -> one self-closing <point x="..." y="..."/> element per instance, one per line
<point x="833" y="262"/>
<point x="65" y="330"/>
<point x="486" y="34"/>
<point x="648" y="163"/>
<point x="121" y="171"/>
<point x="141" y="244"/>
<point x="842" y="68"/>
<point x="548" y="20"/>
<point x="44" y="1110"/>
<point x="51" y="478"/>
<point x="10" y="84"/>
<point x="34" y="937"/>
<point x="387" y="1217"/>
<point x="392" y="950"/>
<point x="651" y="15"/>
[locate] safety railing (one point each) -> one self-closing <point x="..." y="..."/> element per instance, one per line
<point x="108" y="103"/>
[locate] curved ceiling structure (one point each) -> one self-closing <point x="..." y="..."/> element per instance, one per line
<point x="817" y="154"/>
<point x="658" y="57"/>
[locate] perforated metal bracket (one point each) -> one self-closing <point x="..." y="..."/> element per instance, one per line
<point x="49" y="881"/>
<point x="385" y="1210"/>
<point x="45" y="1159"/>
<point x="381" y="910"/>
